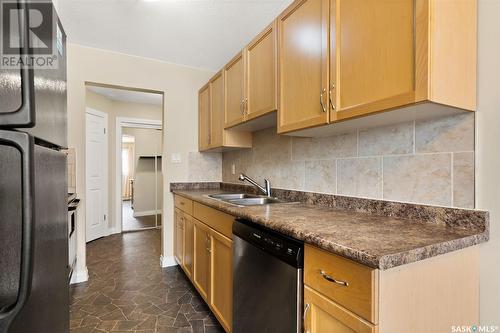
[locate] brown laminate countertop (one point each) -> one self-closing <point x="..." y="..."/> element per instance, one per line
<point x="373" y="240"/>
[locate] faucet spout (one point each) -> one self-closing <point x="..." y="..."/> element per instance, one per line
<point x="266" y="189"/>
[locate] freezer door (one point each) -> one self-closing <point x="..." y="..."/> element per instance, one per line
<point x="34" y="99"/>
<point x="50" y="95"/>
<point x="16" y="85"/>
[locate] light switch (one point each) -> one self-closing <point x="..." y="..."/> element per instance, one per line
<point x="175" y="158"/>
<point x="233" y="169"/>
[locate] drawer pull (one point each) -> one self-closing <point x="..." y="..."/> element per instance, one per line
<point x="331" y="279"/>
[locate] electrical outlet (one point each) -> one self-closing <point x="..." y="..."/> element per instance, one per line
<point x="233" y="169"/>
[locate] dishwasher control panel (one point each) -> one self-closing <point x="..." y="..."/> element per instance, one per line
<point x="287" y="248"/>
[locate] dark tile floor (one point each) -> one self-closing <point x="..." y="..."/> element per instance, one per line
<point x="128" y="291"/>
<point x="135" y="223"/>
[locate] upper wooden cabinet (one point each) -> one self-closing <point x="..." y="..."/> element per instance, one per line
<point x="204" y="117"/>
<point x="251" y="81"/>
<point x="211" y="110"/>
<point x="343" y="59"/>
<point x="261" y="73"/>
<point x="303" y="65"/>
<point x="217" y="111"/>
<point x="234" y="74"/>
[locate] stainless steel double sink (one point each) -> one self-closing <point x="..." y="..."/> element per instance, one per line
<point x="243" y="199"/>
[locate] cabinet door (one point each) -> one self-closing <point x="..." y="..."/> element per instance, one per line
<point x="321" y="315"/>
<point x="178" y="236"/>
<point x="217" y="110"/>
<point x="204" y="118"/>
<point x="372" y="55"/>
<point x="261" y="70"/>
<point x="188" y="257"/>
<point x="303" y="65"/>
<point x="234" y="76"/>
<point x="202" y="259"/>
<point x="221" y="296"/>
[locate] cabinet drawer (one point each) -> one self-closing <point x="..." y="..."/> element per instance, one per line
<point x="323" y="315"/>
<point x="350" y="284"/>
<point x="215" y="219"/>
<point x="184" y="204"/>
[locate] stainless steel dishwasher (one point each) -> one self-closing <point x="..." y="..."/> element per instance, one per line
<point x="267" y="280"/>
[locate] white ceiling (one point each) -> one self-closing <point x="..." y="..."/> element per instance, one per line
<point x="124" y="95"/>
<point x="198" y="33"/>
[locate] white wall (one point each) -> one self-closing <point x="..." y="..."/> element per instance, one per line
<point x="180" y="86"/>
<point x="488" y="154"/>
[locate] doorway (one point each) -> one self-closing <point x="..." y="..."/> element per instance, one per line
<point x="141" y="176"/>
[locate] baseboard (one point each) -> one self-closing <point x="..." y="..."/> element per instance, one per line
<point x="113" y="230"/>
<point x="79" y="276"/>
<point x="167" y="261"/>
<point x="146" y="213"/>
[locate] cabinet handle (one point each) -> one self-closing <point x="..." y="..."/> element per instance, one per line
<point x="321" y="100"/>
<point x="306" y="309"/>
<point x="245" y="106"/>
<point x="330" y="96"/>
<point x="242" y="108"/>
<point x="333" y="280"/>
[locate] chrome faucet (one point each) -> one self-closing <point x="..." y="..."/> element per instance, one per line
<point x="266" y="190"/>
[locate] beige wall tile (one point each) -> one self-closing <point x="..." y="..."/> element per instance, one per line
<point x="463" y="180"/>
<point x="418" y="178"/>
<point x="321" y="176"/>
<point x="448" y="134"/>
<point x="205" y="166"/>
<point x="324" y="148"/>
<point x="387" y="140"/>
<point x="267" y="145"/>
<point x="360" y="177"/>
<point x="291" y="175"/>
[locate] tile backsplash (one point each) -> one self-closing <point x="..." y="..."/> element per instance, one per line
<point x="428" y="162"/>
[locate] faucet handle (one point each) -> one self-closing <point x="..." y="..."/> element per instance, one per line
<point x="268" y="186"/>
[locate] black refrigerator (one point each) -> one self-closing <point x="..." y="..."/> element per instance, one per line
<point x="34" y="291"/>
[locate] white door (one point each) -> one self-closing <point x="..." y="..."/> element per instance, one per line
<point x="96" y="166"/>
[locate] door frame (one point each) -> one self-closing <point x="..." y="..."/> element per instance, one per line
<point x="104" y="115"/>
<point x="120" y="123"/>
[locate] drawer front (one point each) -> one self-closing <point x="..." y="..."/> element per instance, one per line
<point x="350" y="284"/>
<point x="323" y="315"/>
<point x="215" y="219"/>
<point x="184" y="204"/>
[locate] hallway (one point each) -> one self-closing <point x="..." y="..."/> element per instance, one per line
<point x="134" y="223"/>
<point x="128" y="291"/>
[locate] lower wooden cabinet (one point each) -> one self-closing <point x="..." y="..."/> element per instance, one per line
<point x="178" y="236"/>
<point x="322" y="315"/>
<point x="201" y="277"/>
<point x="221" y="297"/>
<point x="188" y="257"/>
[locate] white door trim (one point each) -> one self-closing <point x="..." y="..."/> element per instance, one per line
<point x="120" y="123"/>
<point x="106" y="168"/>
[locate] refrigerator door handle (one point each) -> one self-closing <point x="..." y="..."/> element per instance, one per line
<point x="25" y="144"/>
<point x="25" y="116"/>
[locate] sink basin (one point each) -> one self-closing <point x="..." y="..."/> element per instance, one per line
<point x="232" y="196"/>
<point x="243" y="199"/>
<point x="254" y="201"/>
